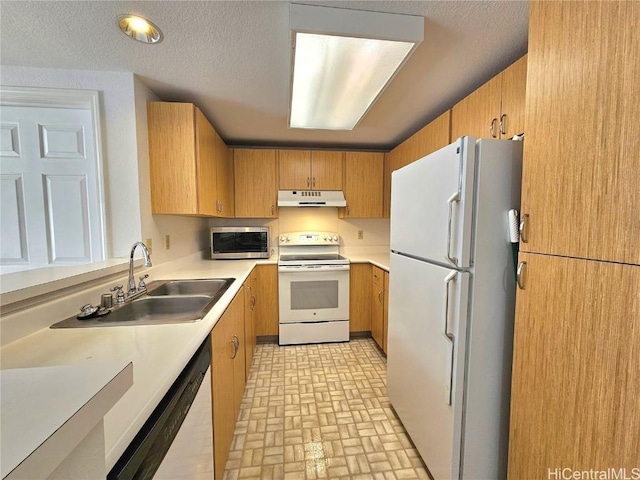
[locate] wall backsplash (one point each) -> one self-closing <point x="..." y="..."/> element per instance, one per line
<point x="375" y="231"/>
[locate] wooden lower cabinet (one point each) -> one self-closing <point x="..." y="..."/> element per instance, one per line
<point x="265" y="288"/>
<point x="249" y="322"/>
<point x="576" y="368"/>
<point x="227" y="378"/>
<point x="377" y="305"/>
<point x="385" y="313"/>
<point x="360" y="297"/>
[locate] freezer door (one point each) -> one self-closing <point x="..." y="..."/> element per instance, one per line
<point x="431" y="205"/>
<point x="426" y="357"/>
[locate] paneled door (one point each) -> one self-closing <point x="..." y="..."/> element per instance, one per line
<point x="50" y="196"/>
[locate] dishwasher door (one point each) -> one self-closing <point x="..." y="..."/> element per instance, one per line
<point x="190" y="456"/>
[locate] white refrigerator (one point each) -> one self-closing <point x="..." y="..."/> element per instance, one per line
<point x="451" y="305"/>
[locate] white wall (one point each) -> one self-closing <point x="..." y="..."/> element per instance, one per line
<point x="125" y="160"/>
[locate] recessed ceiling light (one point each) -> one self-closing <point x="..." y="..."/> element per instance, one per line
<point x="139" y="29"/>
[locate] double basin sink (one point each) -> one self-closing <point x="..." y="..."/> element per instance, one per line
<point x="167" y="301"/>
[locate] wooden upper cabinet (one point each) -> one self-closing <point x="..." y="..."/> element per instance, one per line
<point x="310" y="170"/>
<point x="224" y="179"/>
<point x="581" y="168"/>
<point x="428" y="139"/>
<point x="496" y="109"/>
<point x="187" y="161"/>
<point x="575" y="384"/>
<point x="363" y="183"/>
<point x="256" y="188"/>
<point x="513" y="96"/>
<point x="326" y="170"/>
<point x="478" y="113"/>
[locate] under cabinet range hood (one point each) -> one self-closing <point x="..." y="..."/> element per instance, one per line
<point x="311" y="198"/>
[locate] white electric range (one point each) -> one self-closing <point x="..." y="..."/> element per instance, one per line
<point x="313" y="289"/>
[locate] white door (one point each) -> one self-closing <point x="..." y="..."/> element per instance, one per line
<point x="431" y="205"/>
<point x="50" y="212"/>
<point x="426" y="357"/>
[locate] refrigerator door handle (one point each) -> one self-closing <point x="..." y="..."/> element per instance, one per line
<point x="450" y="337"/>
<point x="454" y="198"/>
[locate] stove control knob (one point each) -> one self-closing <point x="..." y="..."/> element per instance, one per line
<point x="326" y="238"/>
<point x="282" y="237"/>
<point x="334" y="238"/>
<point x="288" y="238"/>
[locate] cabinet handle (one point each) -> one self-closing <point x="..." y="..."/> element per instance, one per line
<point x="492" y="128"/>
<point x="308" y="182"/>
<point x="521" y="274"/>
<point x="236" y="346"/>
<point x="380" y="296"/>
<point x="273" y="209"/>
<point x="348" y="210"/>
<point x="503" y="124"/>
<point x="524" y="228"/>
<point x="313" y="182"/>
<point x="253" y="302"/>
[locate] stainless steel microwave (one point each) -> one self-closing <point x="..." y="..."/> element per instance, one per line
<point x="239" y="242"/>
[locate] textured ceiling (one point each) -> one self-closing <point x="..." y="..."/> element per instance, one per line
<point x="231" y="58"/>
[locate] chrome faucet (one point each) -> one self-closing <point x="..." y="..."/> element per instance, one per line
<point x="131" y="290"/>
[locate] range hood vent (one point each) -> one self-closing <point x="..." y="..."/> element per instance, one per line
<point x="311" y="198"/>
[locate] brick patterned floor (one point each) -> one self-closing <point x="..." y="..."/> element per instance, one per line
<point x="320" y="411"/>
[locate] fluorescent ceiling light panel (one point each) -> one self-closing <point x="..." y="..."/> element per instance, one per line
<point x="342" y="61"/>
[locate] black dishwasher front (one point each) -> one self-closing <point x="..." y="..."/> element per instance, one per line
<point x="143" y="456"/>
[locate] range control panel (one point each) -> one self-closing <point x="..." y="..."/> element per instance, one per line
<point x="309" y="238"/>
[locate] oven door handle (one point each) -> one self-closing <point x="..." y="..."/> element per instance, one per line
<point x="309" y="269"/>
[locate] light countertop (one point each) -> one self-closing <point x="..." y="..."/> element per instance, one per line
<point x="158" y="352"/>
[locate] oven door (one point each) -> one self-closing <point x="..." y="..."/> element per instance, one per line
<point x="313" y="293"/>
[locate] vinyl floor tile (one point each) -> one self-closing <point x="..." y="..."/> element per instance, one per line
<point x="320" y="412"/>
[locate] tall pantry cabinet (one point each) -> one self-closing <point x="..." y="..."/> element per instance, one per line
<point x="576" y="368"/>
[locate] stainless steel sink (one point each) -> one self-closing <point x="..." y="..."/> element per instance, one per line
<point x="170" y="301"/>
<point x="189" y="287"/>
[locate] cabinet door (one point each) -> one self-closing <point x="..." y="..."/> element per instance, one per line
<point x="249" y="323"/>
<point x="256" y="188"/>
<point x="514" y="91"/>
<point x="326" y="170"/>
<point x="224" y="178"/>
<point x="236" y="314"/>
<point x="433" y="136"/>
<point x="222" y="392"/>
<point x="172" y="158"/>
<point x="576" y="364"/>
<point x="385" y="313"/>
<point x="428" y="139"/>
<point x="377" y="312"/>
<point x="475" y="114"/>
<point x="206" y="165"/>
<point x="363" y="176"/>
<point x="360" y="297"/>
<point x="580" y="169"/>
<point x="294" y="167"/>
<point x="266" y="303"/>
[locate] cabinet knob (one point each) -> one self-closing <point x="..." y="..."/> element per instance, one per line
<point x="503" y="124"/>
